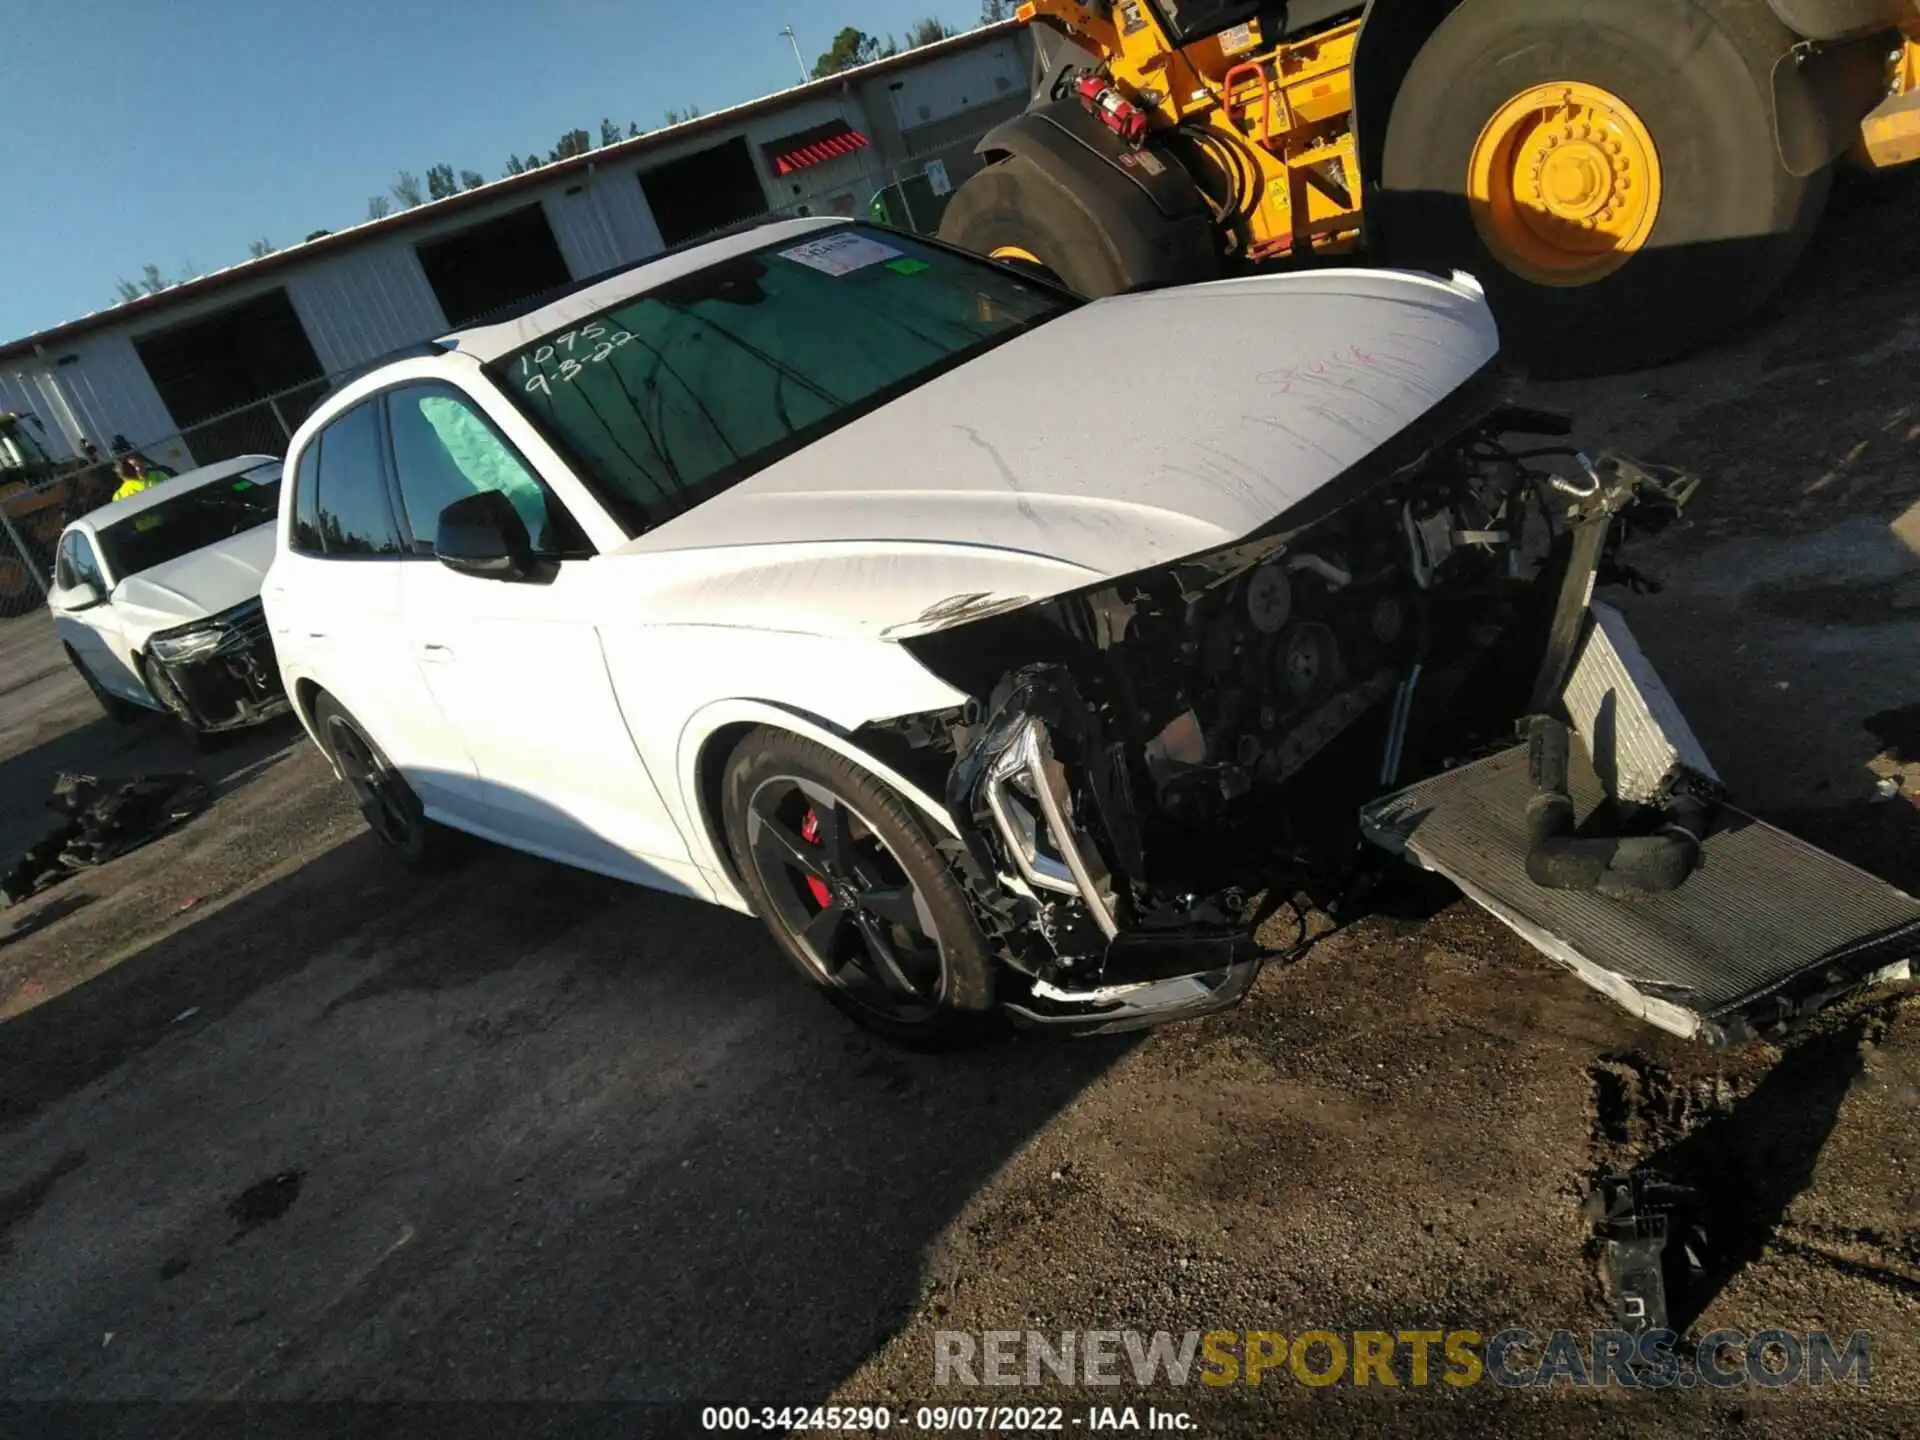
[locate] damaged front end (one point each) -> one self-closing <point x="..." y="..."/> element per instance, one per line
<point x="1144" y="758"/>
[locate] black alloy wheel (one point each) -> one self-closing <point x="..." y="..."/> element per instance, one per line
<point x="393" y="812"/>
<point x="848" y="880"/>
<point x="855" y="915"/>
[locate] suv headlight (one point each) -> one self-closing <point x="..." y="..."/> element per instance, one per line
<point x="177" y="647"/>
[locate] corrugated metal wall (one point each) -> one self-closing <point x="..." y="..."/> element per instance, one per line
<point x="359" y="304"/>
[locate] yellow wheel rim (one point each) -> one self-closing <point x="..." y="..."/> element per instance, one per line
<point x="1565" y="184"/>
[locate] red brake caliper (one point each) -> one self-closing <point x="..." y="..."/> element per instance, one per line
<point x="810" y="832"/>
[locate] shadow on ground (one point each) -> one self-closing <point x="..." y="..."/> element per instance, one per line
<point x="529" y="1133"/>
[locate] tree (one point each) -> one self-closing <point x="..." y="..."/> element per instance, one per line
<point x="471" y="179"/>
<point x="315" y="235"/>
<point x="634" y="132"/>
<point x="517" y="166"/>
<point x="151" y="282"/>
<point x="574" y="142"/>
<point x="992" y="12"/>
<point x="405" y="189"/>
<point x="440" y="182"/>
<point x="925" y="32"/>
<point x="609" y="133"/>
<point x="850" y="47"/>
<point x="260" y="248"/>
<point x="378" y="208"/>
<point x="678" y="117"/>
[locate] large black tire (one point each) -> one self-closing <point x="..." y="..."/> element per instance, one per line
<point x="1699" y="73"/>
<point x="392" y="810"/>
<point x="775" y="779"/>
<point x="1017" y="203"/>
<point x="121" y="712"/>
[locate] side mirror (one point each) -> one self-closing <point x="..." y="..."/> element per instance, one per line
<point x="83" y="596"/>
<point x="483" y="535"/>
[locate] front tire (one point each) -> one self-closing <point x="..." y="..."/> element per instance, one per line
<point x="392" y="810"/>
<point x="848" y="882"/>
<point x="1608" y="169"/>
<point x="121" y="712"/>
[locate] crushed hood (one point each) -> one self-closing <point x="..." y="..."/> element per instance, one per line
<point x="1130" y="432"/>
<point x="203" y="582"/>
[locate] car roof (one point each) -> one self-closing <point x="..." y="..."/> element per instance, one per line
<point x="489" y="342"/>
<point x="116" y="510"/>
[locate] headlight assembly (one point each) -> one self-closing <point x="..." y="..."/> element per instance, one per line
<point x="179" y="647"/>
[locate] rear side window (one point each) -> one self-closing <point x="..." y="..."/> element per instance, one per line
<point x="306" y="510"/>
<point x="350" y="512"/>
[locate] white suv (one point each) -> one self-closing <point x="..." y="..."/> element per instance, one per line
<point x="827" y="573"/>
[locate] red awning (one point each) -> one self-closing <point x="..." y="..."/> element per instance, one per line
<point x="811" y="147"/>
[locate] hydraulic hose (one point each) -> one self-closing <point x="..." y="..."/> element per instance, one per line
<point x="1616" y="866"/>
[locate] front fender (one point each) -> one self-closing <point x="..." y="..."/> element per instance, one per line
<point x="711" y="726"/>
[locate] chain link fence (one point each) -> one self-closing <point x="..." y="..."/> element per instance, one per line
<point x="909" y="194"/>
<point x="34" y="510"/>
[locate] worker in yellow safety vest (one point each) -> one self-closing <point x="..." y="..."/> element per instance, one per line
<point x="134" y="478"/>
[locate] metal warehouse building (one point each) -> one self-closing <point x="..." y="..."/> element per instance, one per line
<point x="232" y="361"/>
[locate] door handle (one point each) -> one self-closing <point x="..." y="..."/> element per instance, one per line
<point x="436" y="654"/>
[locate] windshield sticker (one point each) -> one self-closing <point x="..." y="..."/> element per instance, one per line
<point x="907" y="267"/>
<point x="840" y="254"/>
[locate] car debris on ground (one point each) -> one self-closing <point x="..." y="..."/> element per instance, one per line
<point x="104" y="819"/>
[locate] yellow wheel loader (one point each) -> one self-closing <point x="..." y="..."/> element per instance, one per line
<point x="1626" y="178"/>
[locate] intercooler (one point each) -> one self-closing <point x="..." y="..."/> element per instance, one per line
<point x="1765" y="927"/>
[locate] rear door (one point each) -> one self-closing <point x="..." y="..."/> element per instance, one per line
<point x="516" y="667"/>
<point x="333" y="597"/>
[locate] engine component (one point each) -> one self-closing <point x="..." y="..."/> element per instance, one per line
<point x="1269" y="599"/>
<point x="1558" y="859"/>
<point x="1309" y="661"/>
<point x="1388" y="619"/>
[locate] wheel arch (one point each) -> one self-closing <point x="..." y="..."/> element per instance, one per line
<point x="709" y="740"/>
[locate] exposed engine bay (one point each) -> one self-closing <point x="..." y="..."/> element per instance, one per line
<point x="1143" y="756"/>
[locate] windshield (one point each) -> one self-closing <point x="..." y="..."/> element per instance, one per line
<point x="666" y="399"/>
<point x="190" y="520"/>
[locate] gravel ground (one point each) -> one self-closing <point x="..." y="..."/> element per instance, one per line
<point x="279" y="1122"/>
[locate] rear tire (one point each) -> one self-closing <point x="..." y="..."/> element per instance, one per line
<point x="1698" y="74"/>
<point x="1014" y="205"/>
<point x="393" y="812"/>
<point x="931" y="981"/>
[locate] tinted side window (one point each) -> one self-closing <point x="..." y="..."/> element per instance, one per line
<point x="75" y="564"/>
<point x="354" y="518"/>
<point x="445" y="450"/>
<point x="306" y="498"/>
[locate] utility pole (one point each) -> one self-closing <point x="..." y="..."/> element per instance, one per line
<point x="795" y="43"/>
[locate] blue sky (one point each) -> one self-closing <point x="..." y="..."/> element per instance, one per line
<point x="176" y="132"/>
